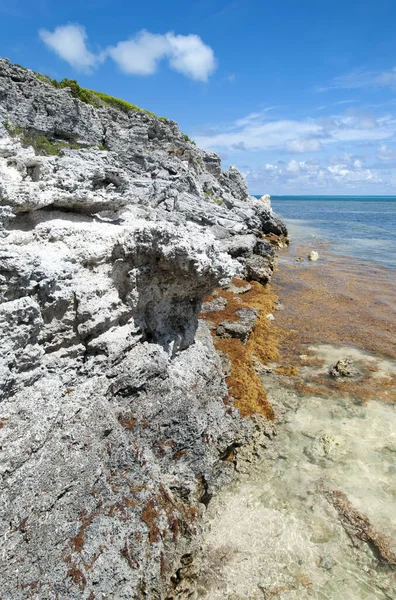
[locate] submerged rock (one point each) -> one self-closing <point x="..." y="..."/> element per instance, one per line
<point x="325" y="446"/>
<point x="343" y="368"/>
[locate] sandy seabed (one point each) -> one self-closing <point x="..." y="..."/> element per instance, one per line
<point x="315" y="516"/>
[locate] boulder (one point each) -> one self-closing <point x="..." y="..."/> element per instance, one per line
<point x="240" y="329"/>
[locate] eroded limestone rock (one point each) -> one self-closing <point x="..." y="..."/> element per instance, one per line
<point x="113" y="423"/>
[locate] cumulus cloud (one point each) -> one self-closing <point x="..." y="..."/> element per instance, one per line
<point x="309" y="175"/>
<point x="140" y="55"/>
<point x="190" y="56"/>
<point x="186" y="54"/>
<point x="69" y="42"/>
<point x="386" y="153"/>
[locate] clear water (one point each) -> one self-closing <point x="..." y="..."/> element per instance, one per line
<point x="362" y="227"/>
<point x="275" y="534"/>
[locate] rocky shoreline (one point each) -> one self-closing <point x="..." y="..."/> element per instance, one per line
<point x="116" y="423"/>
<point x="311" y="512"/>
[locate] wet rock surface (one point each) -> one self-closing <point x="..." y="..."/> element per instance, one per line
<point x="343" y="368"/>
<point x="240" y="329"/>
<point x="114" y="429"/>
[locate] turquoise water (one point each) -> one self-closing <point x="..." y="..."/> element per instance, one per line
<point x="363" y="227"/>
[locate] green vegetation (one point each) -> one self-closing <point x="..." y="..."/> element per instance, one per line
<point x="13" y="129"/>
<point x="41" y="143"/>
<point x="187" y="139"/>
<point x="46" y="79"/>
<point x="210" y="194"/>
<point x="91" y="97"/>
<point x="114" y="102"/>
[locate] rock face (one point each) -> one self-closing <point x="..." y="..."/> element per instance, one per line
<point x="113" y="427"/>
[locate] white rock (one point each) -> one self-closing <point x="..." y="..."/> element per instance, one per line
<point x="105" y="371"/>
<point x="313" y="255"/>
<point x="266" y="199"/>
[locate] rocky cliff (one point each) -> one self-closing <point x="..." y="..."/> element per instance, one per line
<point x="113" y="428"/>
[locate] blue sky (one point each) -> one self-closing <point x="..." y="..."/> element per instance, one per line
<point x="299" y="94"/>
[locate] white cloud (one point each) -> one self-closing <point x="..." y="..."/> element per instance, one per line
<point x="186" y="54"/>
<point x="293" y="166"/>
<point x="362" y="78"/>
<point x="303" y="145"/>
<point x="358" y="174"/>
<point x="190" y="56"/>
<point x="257" y="133"/>
<point x="385" y="153"/>
<point x="255" y="116"/>
<point x="140" y="55"/>
<point x="310" y="176"/>
<point x="339" y="103"/>
<point x="69" y="42"/>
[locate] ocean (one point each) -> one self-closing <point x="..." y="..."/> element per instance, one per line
<point x="360" y="226"/>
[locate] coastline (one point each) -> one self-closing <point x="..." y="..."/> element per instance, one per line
<point x="118" y="427"/>
<point x="288" y="526"/>
<point x="115" y="424"/>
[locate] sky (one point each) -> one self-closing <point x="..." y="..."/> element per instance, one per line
<point x="300" y="95"/>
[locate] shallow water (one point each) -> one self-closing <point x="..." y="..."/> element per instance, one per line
<point x="276" y="535"/>
<point x="338" y="299"/>
<point x="278" y="532"/>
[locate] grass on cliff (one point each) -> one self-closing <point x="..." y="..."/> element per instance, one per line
<point x="99" y="99"/>
<point x="96" y="99"/>
<point x="41" y="144"/>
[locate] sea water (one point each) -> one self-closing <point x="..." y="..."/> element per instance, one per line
<point x="359" y="226"/>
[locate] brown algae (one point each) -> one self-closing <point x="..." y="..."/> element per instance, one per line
<point x="244" y="384"/>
